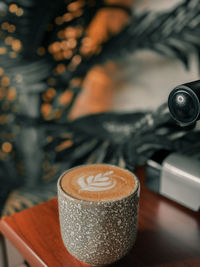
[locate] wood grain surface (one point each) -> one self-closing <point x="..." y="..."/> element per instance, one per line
<point x="168" y="235"/>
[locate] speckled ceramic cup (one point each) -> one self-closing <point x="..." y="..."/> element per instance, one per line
<point x="98" y="232"/>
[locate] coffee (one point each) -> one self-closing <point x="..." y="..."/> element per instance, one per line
<point x="98" y="182"/>
<point x="98" y="212"/>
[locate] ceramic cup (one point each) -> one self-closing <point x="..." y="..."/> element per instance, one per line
<point x="98" y="232"/>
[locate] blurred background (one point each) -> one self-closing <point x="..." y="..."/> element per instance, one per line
<point x="145" y="78"/>
<point x="63" y="60"/>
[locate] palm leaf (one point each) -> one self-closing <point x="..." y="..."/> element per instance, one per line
<point x="175" y="34"/>
<point x="127" y="140"/>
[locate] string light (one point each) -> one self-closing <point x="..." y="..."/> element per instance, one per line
<point x="16" y="45"/>
<point x="60" y="68"/>
<point x="76" y="59"/>
<point x="71" y="43"/>
<point x="11" y="28"/>
<point x="75" y="6"/>
<point x="11" y="95"/>
<point x="6" y="147"/>
<point x="64" y="45"/>
<point x="19" y="12"/>
<point x="67" y="54"/>
<point x="13" y="8"/>
<point x="8" y="40"/>
<point x="49" y="94"/>
<point x="3" y="50"/>
<point x="71" y="32"/>
<point x="67" y="17"/>
<point x="5" y="81"/>
<point x="4" y="25"/>
<point x="86" y="41"/>
<point x="55" y="47"/>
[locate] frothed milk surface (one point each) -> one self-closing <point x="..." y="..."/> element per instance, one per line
<point x="98" y="182"/>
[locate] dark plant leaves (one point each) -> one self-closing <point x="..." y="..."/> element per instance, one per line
<point x="127" y="140"/>
<point x="159" y="32"/>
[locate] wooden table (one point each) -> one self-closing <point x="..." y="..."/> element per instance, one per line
<point x="169" y="234"/>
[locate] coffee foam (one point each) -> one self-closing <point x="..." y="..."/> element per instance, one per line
<point x="98" y="182"/>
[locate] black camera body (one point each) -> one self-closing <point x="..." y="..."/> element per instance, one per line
<point x="177" y="176"/>
<point x="184" y="103"/>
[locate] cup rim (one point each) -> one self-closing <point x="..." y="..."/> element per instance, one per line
<point x="89" y="202"/>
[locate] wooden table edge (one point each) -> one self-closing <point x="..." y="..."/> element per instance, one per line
<point x="20" y="245"/>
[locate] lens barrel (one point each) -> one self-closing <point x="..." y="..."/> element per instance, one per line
<point x="184" y="103"/>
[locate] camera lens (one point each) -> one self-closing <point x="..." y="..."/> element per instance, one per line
<point x="184" y="105"/>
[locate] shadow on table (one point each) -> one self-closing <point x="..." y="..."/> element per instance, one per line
<point x="153" y="248"/>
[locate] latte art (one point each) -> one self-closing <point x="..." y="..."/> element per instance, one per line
<point x="98" y="182"/>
